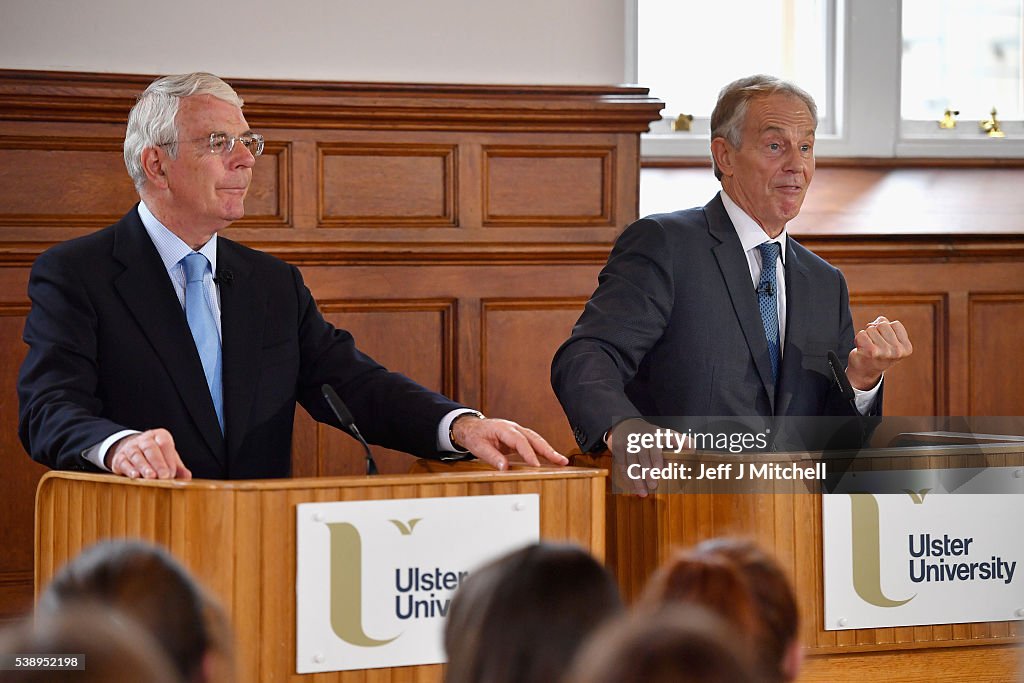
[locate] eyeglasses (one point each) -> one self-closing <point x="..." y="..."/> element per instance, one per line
<point x="222" y="143"/>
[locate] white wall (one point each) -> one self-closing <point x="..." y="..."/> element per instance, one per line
<point x="446" y="41"/>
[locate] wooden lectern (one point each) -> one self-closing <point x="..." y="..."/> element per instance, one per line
<point x="238" y="537"/>
<point x="644" y="532"/>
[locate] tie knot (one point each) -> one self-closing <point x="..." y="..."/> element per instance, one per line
<point x="195" y="266"/>
<point x="769" y="253"/>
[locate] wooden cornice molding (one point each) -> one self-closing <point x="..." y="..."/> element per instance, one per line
<point x="107" y="98"/>
<point x="926" y="249"/>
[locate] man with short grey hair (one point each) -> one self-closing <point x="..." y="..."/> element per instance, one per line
<point x="716" y="310"/>
<point x="158" y="349"/>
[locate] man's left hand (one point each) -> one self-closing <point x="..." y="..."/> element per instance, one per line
<point x="878" y="347"/>
<point x="493" y="440"/>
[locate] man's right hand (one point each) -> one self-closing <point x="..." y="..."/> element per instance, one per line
<point x="149" y="455"/>
<point x="624" y="455"/>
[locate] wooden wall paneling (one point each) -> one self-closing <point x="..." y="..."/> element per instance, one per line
<point x="958" y="346"/>
<point x="996" y="386"/>
<point x="68" y="181"/>
<point x="519" y="337"/>
<point x="268" y="203"/>
<point x="548" y="185"/>
<point x="18" y="484"/>
<point x="414" y="337"/>
<point x="388" y="185"/>
<point x="304" y="189"/>
<point x="918" y="385"/>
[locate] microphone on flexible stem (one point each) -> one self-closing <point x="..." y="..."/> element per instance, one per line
<point x="839" y="375"/>
<point x="341" y="412"/>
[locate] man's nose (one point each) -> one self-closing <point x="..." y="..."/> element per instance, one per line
<point x="794" y="160"/>
<point x="241" y="156"/>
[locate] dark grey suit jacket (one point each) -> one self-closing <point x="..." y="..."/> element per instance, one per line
<point x="673" y="329"/>
<point x="110" y="349"/>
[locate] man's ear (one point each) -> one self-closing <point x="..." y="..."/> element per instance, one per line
<point x="723" y="152"/>
<point x="153" y="167"/>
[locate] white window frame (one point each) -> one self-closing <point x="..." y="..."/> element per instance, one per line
<point x="865" y="44"/>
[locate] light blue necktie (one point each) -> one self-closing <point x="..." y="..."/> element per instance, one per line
<point x="767" y="301"/>
<point x="204" y="328"/>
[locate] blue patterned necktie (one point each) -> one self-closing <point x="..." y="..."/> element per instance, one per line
<point x="204" y="328"/>
<point x="767" y="301"/>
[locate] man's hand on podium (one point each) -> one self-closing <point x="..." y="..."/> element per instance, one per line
<point x="493" y="440"/>
<point x="149" y="455"/>
<point x="629" y="445"/>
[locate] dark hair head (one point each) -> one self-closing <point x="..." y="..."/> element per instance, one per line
<point x="545" y="599"/>
<point x="677" y="644"/>
<point x="114" y="648"/>
<point x="730" y="111"/>
<point x="773" y="593"/>
<point x="145" y="583"/>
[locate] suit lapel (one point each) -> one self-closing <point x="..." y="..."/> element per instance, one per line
<point x="149" y="296"/>
<point x="797" y="326"/>
<point x="736" y="272"/>
<point x="243" y="309"/>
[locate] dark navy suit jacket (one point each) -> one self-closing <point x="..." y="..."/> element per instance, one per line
<point x="110" y="349"/>
<point x="674" y="329"/>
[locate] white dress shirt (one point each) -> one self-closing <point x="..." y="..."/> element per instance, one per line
<point x="751" y="235"/>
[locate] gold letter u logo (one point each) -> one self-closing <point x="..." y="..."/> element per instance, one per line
<point x="867" y="565"/>
<point x="347" y="586"/>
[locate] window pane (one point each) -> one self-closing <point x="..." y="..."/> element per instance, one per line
<point x="686" y="51"/>
<point x="962" y="55"/>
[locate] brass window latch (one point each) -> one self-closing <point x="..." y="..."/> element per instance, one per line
<point x="682" y="123"/>
<point x="948" y="120"/>
<point x="990" y="126"/>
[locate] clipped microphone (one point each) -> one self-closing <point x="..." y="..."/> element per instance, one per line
<point x="224" y="277"/>
<point x="766" y="288"/>
<point x="839" y="375"/>
<point x="341" y="412"/>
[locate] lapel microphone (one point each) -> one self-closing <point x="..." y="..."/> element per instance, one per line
<point x="341" y="412"/>
<point x="224" y="277"/>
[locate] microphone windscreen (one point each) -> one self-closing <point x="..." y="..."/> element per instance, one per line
<point x="337" y="405"/>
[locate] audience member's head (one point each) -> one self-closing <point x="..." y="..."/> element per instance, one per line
<point x="113" y="648"/>
<point x="676" y="644"/>
<point x="147" y="585"/>
<point x="220" y="662"/>
<point x="775" y="598"/>
<point x="521" y="618"/>
<point x="713" y="582"/>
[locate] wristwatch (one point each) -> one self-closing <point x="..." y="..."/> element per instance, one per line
<point x="451" y="431"/>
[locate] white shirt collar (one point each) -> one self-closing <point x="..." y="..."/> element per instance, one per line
<point x="750" y="233"/>
<point x="171" y="247"/>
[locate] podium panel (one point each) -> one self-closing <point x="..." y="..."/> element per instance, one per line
<point x="239" y="537"/>
<point x="644" y="532"/>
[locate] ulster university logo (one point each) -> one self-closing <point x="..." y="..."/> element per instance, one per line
<point x="374" y="579"/>
<point x="347" y="584"/>
<point x="867" y="562"/>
